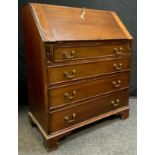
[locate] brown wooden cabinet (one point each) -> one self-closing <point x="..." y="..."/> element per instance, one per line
<point x="78" y="67"/>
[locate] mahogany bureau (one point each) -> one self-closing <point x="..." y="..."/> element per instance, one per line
<point x="78" y="67"/>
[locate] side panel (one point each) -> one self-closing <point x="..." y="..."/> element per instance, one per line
<point x="36" y="69"/>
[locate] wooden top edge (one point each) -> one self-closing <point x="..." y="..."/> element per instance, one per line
<point x="121" y="25"/>
<point x="69" y="7"/>
<point x="85" y="40"/>
<point x="36" y="20"/>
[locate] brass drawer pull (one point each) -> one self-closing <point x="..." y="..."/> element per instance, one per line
<point x="117" y="67"/>
<point x="119" y="51"/>
<point x="70" y="95"/>
<point x="72" y="119"/>
<point x="69" y="76"/>
<point x="116" y="84"/>
<point x="115" y="103"/>
<point x="68" y="55"/>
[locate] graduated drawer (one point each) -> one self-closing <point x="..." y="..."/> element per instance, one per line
<point x="64" y="73"/>
<point x="68" y="117"/>
<point x="65" y="94"/>
<point x="89" y="51"/>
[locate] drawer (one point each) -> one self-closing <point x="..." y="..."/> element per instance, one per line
<point x="65" y="94"/>
<point x="89" y="51"/>
<point x="67" y="117"/>
<point x="73" y="72"/>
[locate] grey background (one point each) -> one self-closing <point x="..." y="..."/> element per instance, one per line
<point x="126" y="10"/>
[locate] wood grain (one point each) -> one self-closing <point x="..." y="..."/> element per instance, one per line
<point x="88" y="110"/>
<point x="122" y="25"/>
<point x="86" y="89"/>
<point x="87" y="70"/>
<point x="36" y="70"/>
<point x="88" y="51"/>
<point x="58" y="23"/>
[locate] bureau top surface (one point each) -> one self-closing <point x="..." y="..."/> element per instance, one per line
<point x="59" y="23"/>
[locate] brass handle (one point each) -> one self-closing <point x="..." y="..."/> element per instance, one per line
<point x="119" y="51"/>
<point x="70" y="95"/>
<point x="117" y="67"/>
<point x="115" y="103"/>
<point x="72" y="119"/>
<point x="69" y="76"/>
<point x="68" y="55"/>
<point x="117" y="84"/>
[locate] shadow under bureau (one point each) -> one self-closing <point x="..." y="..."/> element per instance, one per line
<point x="78" y="68"/>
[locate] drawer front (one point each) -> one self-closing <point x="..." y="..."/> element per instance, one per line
<point x="73" y="72"/>
<point x="68" y="117"/>
<point x="71" y="93"/>
<point x="73" y="53"/>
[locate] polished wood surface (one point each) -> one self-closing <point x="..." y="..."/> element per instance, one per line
<point x="89" y="51"/>
<point x="87" y="89"/>
<point x="57" y="23"/>
<point x="36" y="70"/>
<point x="78" y="68"/>
<point x="73" y="72"/>
<point x="87" y="110"/>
